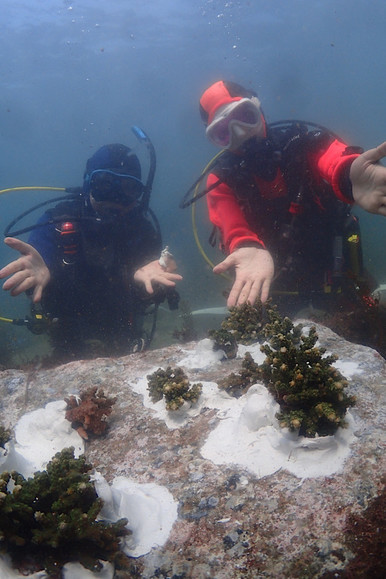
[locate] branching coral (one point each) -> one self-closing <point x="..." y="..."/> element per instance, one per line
<point x="237" y="384"/>
<point x="51" y="518"/>
<point x="243" y="326"/>
<point x="244" y="322"/>
<point x="301" y="378"/>
<point x="173" y="385"/>
<point x="225" y="341"/>
<point x="88" y="413"/>
<point x="308" y="388"/>
<point x="5" y="435"/>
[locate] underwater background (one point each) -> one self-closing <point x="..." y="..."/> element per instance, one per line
<point x="77" y="75"/>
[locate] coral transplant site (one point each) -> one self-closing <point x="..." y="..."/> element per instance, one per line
<point x="286" y="397"/>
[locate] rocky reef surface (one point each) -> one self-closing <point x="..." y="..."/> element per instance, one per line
<point x="231" y="523"/>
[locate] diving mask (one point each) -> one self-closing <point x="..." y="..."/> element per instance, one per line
<point x="110" y="187"/>
<point x="235" y="123"/>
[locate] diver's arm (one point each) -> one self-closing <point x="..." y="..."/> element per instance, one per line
<point x="44" y="239"/>
<point x="354" y="177"/>
<point x="249" y="261"/>
<point x="226" y="214"/>
<point x="28" y="272"/>
<point x="368" y="180"/>
<point x="333" y="165"/>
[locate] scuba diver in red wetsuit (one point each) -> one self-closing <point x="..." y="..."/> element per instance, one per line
<point x="280" y="195"/>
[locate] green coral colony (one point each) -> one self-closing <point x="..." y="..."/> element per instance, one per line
<point x="51" y="519"/>
<point x="173" y="385"/>
<point x="243" y="325"/>
<point x="309" y="390"/>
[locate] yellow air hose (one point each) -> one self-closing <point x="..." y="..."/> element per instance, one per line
<point x="32" y="189"/>
<point x="194" y="222"/>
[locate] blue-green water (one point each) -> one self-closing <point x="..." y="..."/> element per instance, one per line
<point x="76" y="75"/>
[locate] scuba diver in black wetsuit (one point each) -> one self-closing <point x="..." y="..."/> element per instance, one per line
<point x="93" y="261"/>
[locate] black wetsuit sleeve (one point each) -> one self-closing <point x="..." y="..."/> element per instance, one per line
<point x="44" y="239"/>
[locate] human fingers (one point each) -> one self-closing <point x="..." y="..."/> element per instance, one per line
<point x="376" y="154"/>
<point x="245" y="294"/>
<point x="11" y="268"/>
<point x="219" y="268"/>
<point x="147" y="282"/>
<point x="239" y="293"/>
<point x="382" y="210"/>
<point x="24" y="286"/>
<point x="18" y="284"/>
<point x="172" y="276"/>
<point x="254" y="293"/>
<point x="37" y="294"/>
<point x="234" y="293"/>
<point x="18" y="245"/>
<point x="224" y="265"/>
<point x="249" y="294"/>
<point x="16" y="279"/>
<point x="265" y="290"/>
<point x="167" y="279"/>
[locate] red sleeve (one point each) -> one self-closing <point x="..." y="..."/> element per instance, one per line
<point x="333" y="164"/>
<point x="225" y="213"/>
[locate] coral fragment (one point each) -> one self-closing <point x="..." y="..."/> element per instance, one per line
<point x="173" y="385"/>
<point x="88" y="413"/>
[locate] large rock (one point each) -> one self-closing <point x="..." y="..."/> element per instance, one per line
<point x="230" y="522"/>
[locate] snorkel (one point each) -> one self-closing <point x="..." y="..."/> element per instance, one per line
<point x="143" y="138"/>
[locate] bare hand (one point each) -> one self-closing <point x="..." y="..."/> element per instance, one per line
<point x="254" y="271"/>
<point x="27" y="272"/>
<point x="154" y="273"/>
<point x="369" y="180"/>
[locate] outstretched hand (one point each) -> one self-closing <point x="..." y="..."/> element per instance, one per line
<point x="153" y="273"/>
<point x="368" y="180"/>
<point x="27" y="272"/>
<point x="254" y="269"/>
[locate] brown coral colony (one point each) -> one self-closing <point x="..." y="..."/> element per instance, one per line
<point x="88" y="412"/>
